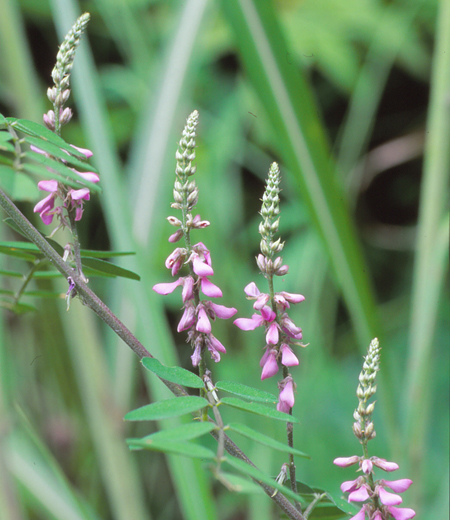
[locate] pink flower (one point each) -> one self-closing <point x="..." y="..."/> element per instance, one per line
<point x="401" y="513"/>
<point x="384" y="464"/>
<point x="344" y="462"/>
<point x="269" y="363"/>
<point x="366" y="466"/>
<point x="288" y="358"/>
<point x="45" y="206"/>
<point x="286" y="398"/>
<point x="397" y="485"/>
<point x="359" y="495"/>
<point x="267" y="318"/>
<point x="388" y="499"/>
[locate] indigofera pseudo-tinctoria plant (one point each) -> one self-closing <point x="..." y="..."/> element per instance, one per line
<point x="378" y="503"/>
<point x="198" y="313"/>
<point x="281" y="333"/>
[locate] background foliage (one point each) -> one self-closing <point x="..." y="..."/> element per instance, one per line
<point x="349" y="97"/>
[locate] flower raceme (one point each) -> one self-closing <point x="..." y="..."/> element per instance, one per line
<point x="72" y="199"/>
<point x="197" y="317"/>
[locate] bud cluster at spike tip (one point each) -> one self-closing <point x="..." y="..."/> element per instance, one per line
<point x="281" y="333"/>
<point x="197" y="314"/>
<point x="379" y="503"/>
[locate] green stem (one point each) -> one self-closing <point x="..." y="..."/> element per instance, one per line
<point x="26" y="281"/>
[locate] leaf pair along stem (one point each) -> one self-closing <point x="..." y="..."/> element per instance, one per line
<point x="91" y="300"/>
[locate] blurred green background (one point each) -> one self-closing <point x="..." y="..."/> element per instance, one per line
<point x="351" y="97"/>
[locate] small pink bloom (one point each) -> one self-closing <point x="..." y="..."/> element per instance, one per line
<point x="175" y="260"/>
<point x="287" y="392"/>
<point x="203" y="323"/>
<point x="288" y="358"/>
<point x="359" y="495"/>
<point x="251" y="290"/>
<point x="270" y="367"/>
<point x="196" y="356"/>
<point x="188" y="289"/>
<point x="351" y="485"/>
<point x="176" y="236"/>
<point x="268" y="314"/>
<point x="209" y="289"/>
<point x="377" y="516"/>
<point x="167" y="288"/>
<point x="88" y="176"/>
<point x="344" y="462"/>
<point x="367" y="466"/>
<point x="82" y="194"/>
<point x="216" y="344"/>
<point x="384" y="464"/>
<point x="388" y="499"/>
<point x="272" y="334"/>
<point x="84" y="151"/>
<point x="249" y="323"/>
<point x="200" y="267"/>
<point x="401" y="513"/>
<point x="222" y="312"/>
<point x="399" y="486"/>
<point x="188" y="318"/>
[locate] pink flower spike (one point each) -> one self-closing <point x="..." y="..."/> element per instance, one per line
<point x="384" y="464"/>
<point x="388" y="499"/>
<point x="401" y="513"/>
<point x="167" y="288"/>
<point x="272" y="334"/>
<point x="399" y="486"/>
<point x="288" y="358"/>
<point x="358" y="495"/>
<point x="270" y="367"/>
<point x="200" y="267"/>
<point x="249" y="323"/>
<point x="203" y="323"/>
<point x="367" y="466"/>
<point x="223" y="312"/>
<point x="209" y="289"/>
<point x="344" y="462"/>
<point x="84" y="151"/>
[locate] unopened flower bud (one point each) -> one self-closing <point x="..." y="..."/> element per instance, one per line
<point x="173" y="221"/>
<point x="284" y="269"/>
<point x="65" y="116"/>
<point x="370" y="408"/>
<point x="369" y="429"/>
<point x="261" y="263"/>
<point x="49" y="119"/>
<point x="357" y="430"/>
<point x="177" y="196"/>
<point x="51" y="94"/>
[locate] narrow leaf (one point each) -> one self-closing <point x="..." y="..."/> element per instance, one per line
<point x="188" y="449"/>
<point x="56" y="151"/>
<point x="57" y="170"/>
<point x="174" y="374"/>
<point x="258" y="409"/>
<point x="5" y="136"/>
<point x="239" y="484"/>
<point x="104" y="254"/>
<point x="110" y="269"/>
<point x="168" y="408"/>
<point x="185" y="432"/>
<point x="264" y="439"/>
<point x="247" y="392"/>
<point x="24" y="250"/>
<point x="35" y="129"/>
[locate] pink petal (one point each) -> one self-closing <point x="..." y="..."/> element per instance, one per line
<point x="51" y="186"/>
<point x="78" y="213"/>
<point x="350" y="485"/>
<point x="188" y="289"/>
<point x="359" y="516"/>
<point x="287" y="394"/>
<point x="389" y="499"/>
<point x="223" y="312"/>
<point x="397" y="485"/>
<point x="272" y="334"/>
<point x="201" y="268"/>
<point x="344" y="462"/>
<point x="384" y="464"/>
<point x="203" y="323"/>
<point x="167" y="288"/>
<point x="188" y="318"/>
<point x="84" y="151"/>
<point x="249" y="323"/>
<point x="196" y="356"/>
<point x="367" y="466"/>
<point x="251" y="290"/>
<point x="45" y="205"/>
<point x="358" y="495"/>
<point x="175" y="237"/>
<point x="209" y="289"/>
<point x="268" y="314"/>
<point x="88" y="176"/>
<point x="270" y="367"/>
<point x="401" y="513"/>
<point x="83" y="193"/>
<point x="293" y="298"/>
<point x="217" y="345"/>
<point x="283" y="407"/>
<point x="288" y="358"/>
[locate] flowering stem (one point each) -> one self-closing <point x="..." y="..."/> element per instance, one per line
<point x="91" y="300"/>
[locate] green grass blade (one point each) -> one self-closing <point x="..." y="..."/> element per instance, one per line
<point x="431" y="262"/>
<point x="300" y="140"/>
